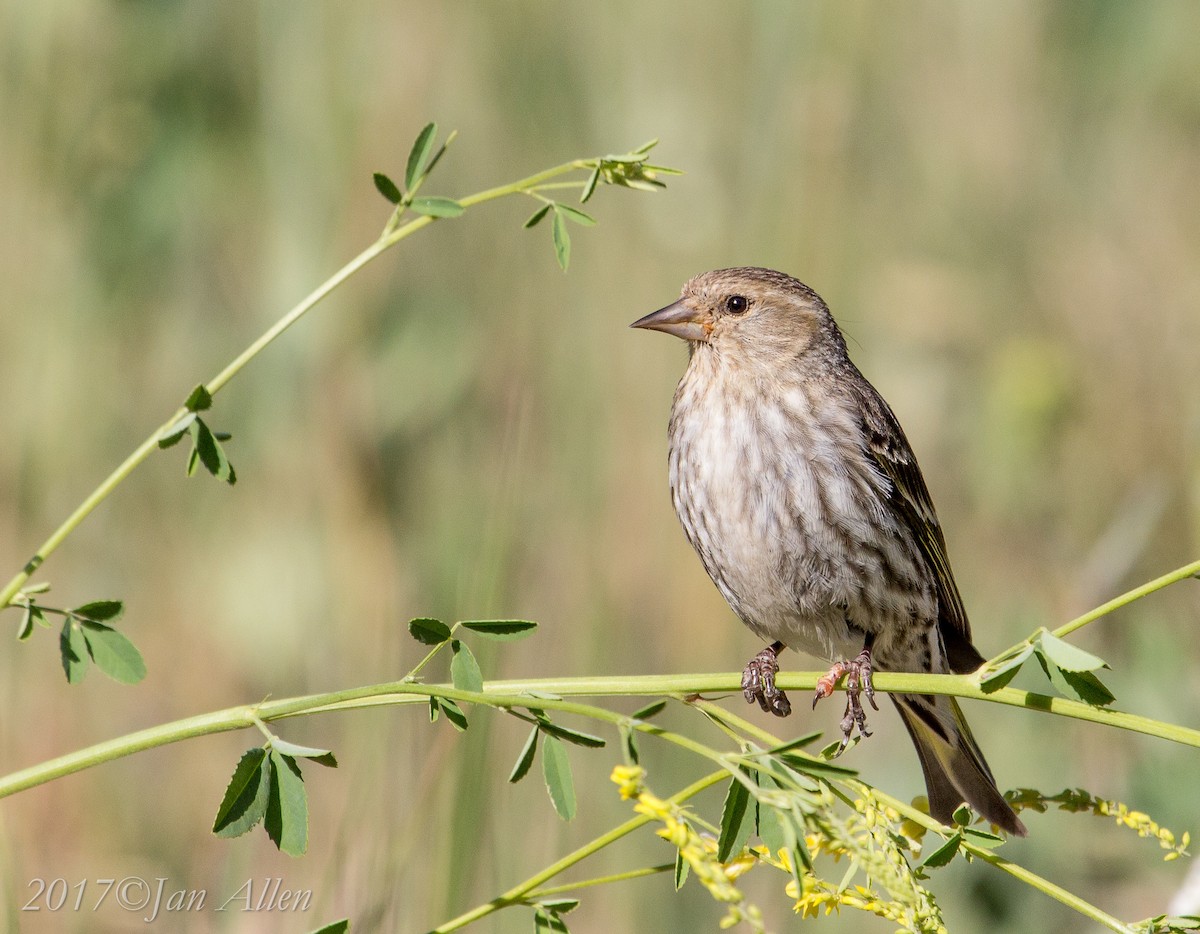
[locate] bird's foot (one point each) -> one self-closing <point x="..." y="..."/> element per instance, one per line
<point x="758" y="682"/>
<point x="858" y="682"/>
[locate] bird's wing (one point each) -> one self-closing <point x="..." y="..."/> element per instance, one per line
<point x="890" y="450"/>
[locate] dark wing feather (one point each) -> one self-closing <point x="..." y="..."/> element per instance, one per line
<point x="891" y="451"/>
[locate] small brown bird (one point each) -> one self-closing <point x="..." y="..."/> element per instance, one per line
<point x="796" y="486"/>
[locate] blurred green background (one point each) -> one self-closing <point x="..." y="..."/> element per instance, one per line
<point x="999" y="202"/>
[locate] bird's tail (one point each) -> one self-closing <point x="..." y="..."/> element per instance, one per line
<point x="955" y="770"/>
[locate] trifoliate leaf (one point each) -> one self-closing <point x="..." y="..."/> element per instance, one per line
<point x="286" y="820"/>
<point x="464" y="670"/>
<point x="245" y="801"/>
<point x="428" y="631"/>
<point x="556" y="769"/>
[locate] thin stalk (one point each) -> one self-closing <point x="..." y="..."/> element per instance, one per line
<point x="1188" y="570"/>
<point x="150" y="445"/>
<point x="518" y="893"/>
<point x="505" y="694"/>
<point x="602" y="880"/>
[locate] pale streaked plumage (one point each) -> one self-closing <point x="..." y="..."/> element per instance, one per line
<point x="797" y="488"/>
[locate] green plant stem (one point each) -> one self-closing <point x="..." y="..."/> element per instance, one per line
<point x="603" y="880"/>
<point x="514" y="694"/>
<point x="1188" y="570"/>
<point x="389" y="239"/>
<point x="518" y="893"/>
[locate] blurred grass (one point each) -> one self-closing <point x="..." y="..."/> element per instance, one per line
<point x="999" y="203"/>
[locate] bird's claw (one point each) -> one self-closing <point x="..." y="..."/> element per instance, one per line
<point x="758" y="683"/>
<point x="858" y="682"/>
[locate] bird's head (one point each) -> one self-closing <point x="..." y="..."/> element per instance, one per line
<point x="751" y="314"/>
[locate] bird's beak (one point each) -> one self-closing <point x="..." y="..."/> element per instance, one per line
<point x="679" y="319"/>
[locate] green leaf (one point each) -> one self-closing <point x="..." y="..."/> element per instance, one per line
<point x="25" y="630"/>
<point x="320" y="756"/>
<point x="944" y="853"/>
<point x="560" y="906"/>
<point x="193" y="461"/>
<point x="798" y="743"/>
<point x="545" y="922"/>
<point x="681" y="870"/>
<point x="437" y="207"/>
<point x="576" y="215"/>
<point x="245" y="801"/>
<point x="113" y="654"/>
<point x="562" y="240"/>
<point x="199" y="400"/>
<point x="506" y="630"/>
<point x="556" y="769"/>
<point x="590" y="187"/>
<point x="982" y="838"/>
<point x="1005" y="670"/>
<point x="794" y="842"/>
<point x="386" y="187"/>
<point x="419" y="155"/>
<point x="1077" y="685"/>
<point x="434" y="709"/>
<point x="286" y="820"/>
<point x="1066" y="656"/>
<point x="962" y="815"/>
<point x="100" y="611"/>
<point x="525" y="760"/>
<point x="819" y="767"/>
<point x="336" y="927"/>
<point x="571" y="736"/>
<point x="428" y="631"/>
<point x="464" y="670"/>
<point x="767" y="822"/>
<point x="211" y="454"/>
<point x="646" y="147"/>
<point x="650" y="710"/>
<point x="629" y="743"/>
<point x="453" y="713"/>
<point x="733" y="820"/>
<point x="73" y="649"/>
<point x="172" y="435"/>
<point x="536" y="217"/>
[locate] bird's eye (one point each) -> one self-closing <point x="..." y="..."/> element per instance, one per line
<point x="736" y="304"/>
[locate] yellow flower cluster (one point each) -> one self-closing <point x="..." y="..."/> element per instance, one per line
<point x="699" y="851"/>
<point x="1145" y="827"/>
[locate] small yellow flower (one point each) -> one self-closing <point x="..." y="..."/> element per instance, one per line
<point x="629" y="780"/>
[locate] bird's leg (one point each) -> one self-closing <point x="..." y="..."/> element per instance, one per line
<point x="858" y="681"/>
<point x="758" y="681"/>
